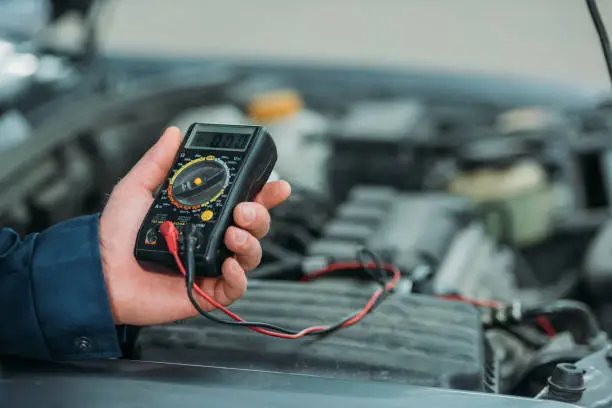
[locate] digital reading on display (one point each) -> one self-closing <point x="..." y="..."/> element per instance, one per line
<point x="206" y="139"/>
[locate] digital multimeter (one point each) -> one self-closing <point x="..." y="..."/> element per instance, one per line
<point x="216" y="167"/>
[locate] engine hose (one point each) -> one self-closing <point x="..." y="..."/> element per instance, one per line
<point x="583" y="315"/>
<point x="288" y="270"/>
<point x="278" y="252"/>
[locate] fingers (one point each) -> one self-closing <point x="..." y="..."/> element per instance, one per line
<point x="254" y="222"/>
<point x="273" y="193"/>
<point x="252" y="217"/>
<point x="160" y="298"/>
<point x="232" y="285"/>
<point x="245" y="246"/>
<point x="152" y="168"/>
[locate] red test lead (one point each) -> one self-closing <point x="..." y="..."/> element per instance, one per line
<point x="170" y="234"/>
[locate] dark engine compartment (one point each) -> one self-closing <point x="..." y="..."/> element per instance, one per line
<point x="396" y="346"/>
<point x="374" y="159"/>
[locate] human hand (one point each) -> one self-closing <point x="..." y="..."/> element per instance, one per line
<point x="139" y="297"/>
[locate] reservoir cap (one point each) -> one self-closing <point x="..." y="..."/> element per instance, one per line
<point x="498" y="153"/>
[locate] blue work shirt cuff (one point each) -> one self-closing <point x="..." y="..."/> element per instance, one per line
<point x="72" y="302"/>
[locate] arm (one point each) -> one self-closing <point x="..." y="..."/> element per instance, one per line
<point x="53" y="299"/>
<point x="63" y="290"/>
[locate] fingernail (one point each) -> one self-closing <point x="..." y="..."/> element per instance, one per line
<point x="240" y="236"/>
<point x="248" y="212"/>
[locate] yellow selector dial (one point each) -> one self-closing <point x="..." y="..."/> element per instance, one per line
<point x="197" y="183"/>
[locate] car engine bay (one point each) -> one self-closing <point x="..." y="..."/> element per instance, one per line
<point x="492" y="197"/>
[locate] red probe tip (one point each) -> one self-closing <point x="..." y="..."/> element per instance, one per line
<point x="170" y="234"/>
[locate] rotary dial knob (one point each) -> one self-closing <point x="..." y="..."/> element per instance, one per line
<point x="198" y="183"/>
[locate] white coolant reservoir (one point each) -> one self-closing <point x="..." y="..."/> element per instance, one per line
<point x="538" y="126"/>
<point x="510" y="189"/>
<point x="297" y="131"/>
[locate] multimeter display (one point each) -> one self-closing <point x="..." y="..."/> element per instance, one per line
<point x="217" y="140"/>
<point x="217" y="167"/>
<point x="218" y="137"/>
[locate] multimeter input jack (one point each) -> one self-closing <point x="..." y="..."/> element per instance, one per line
<point x="193" y="236"/>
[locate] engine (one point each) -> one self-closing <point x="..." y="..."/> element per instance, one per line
<point x="464" y="262"/>
<point x="434" y="237"/>
<point x="495" y="214"/>
<point x="415" y="339"/>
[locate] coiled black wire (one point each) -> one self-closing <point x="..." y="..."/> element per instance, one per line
<point x="191" y="243"/>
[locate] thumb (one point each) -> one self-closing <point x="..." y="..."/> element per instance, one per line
<point x="151" y="169"/>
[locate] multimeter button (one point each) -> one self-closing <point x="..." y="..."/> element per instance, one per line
<point x="207" y="215"/>
<point x="197" y="181"/>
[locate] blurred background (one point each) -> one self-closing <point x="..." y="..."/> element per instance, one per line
<point x="467" y="142"/>
<point x="549" y="39"/>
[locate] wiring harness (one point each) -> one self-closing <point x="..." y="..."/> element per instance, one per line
<point x="387" y="276"/>
<point x="499" y="314"/>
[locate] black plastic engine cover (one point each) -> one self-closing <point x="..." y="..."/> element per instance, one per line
<point x="405" y="229"/>
<point x="409" y="339"/>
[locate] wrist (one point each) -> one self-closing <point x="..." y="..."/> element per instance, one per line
<point x="107" y="267"/>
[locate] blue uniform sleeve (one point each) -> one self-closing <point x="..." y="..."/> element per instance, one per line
<point x="53" y="299"/>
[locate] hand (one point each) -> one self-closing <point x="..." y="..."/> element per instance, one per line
<point x="139" y="297"/>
